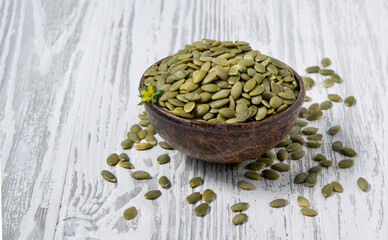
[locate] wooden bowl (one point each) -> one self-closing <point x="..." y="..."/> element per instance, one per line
<point x="224" y="142"/>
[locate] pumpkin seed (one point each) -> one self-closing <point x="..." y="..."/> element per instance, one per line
<point x="284" y="142"/>
<point x="312" y="69"/>
<point x="301" y="123"/>
<point x="314" y="115"/>
<point x="313" y="107"/>
<point x="268" y="154"/>
<point x="307" y="99"/>
<point x="194" y="197"/>
<point x="326" y="71"/>
<point x="327" y="190"/>
<point x="313" y="143"/>
<point x="123" y="157"/>
<point x="278" y="203"/>
<point x="129" y="213"/>
<point x="298" y="139"/>
<point x="245" y="185"/>
<point x="140" y="175"/>
<point x="164" y="182"/>
<point x="300" y="178"/>
<point x="252" y="175"/>
<point x="255" y="166"/>
<point x="112" y="159"/>
<point x="350" y="101"/>
<point x="336" y="78"/>
<point x="345" y="163"/>
<point x="297" y="154"/>
<point x="238" y="207"/>
<point x="315" y="169"/>
<point x="282" y="154"/>
<point x="195" y="182"/>
<point x="134" y="137"/>
<point x="303" y="112"/>
<point x="326" y="163"/>
<point x="294" y="130"/>
<point x="142" y="134"/>
<point x="108" y="176"/>
<point x="239" y="219"/>
<point x="334" y="130"/>
<point x="126" y="144"/>
<point x="208" y="195"/>
<point x="337" y="146"/>
<point x="363" y="184"/>
<point x="151" y="139"/>
<point x="266" y="161"/>
<point x="165" y="145"/>
<point x="316" y="136"/>
<point x="281" y="167"/>
<point x="237" y="165"/>
<point x="143" y="146"/>
<point x="308" y="212"/>
<point x="126" y="164"/>
<point x="326" y="105"/>
<point x="293" y="147"/>
<point x="334" y="97"/>
<point x="201" y="210"/>
<point x="135" y="128"/>
<point x="348" y="152"/>
<point x="311" y="179"/>
<point x="319" y="157"/>
<point x="325" y="62"/>
<point x="154" y="194"/>
<point x="270" y="174"/>
<point x="303" y="202"/>
<point x="162" y="159"/>
<point x="337" y="187"/>
<point x="310" y="130"/>
<point x="244" y="115"/>
<point x="144" y="123"/>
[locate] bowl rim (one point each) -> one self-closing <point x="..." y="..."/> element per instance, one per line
<point x="253" y="125"/>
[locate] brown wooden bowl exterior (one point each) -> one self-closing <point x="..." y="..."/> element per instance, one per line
<point x="224" y="142"/>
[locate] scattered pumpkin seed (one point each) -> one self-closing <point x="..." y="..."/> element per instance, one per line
<point x="281" y="167"/>
<point x="301" y="123"/>
<point x="108" y="176"/>
<point x="270" y="174"/>
<point x="112" y="159"/>
<point x="326" y="105"/>
<point x="239" y="219"/>
<point x="300" y="177"/>
<point x="123" y="157"/>
<point x="201" y="210"/>
<point x="252" y="175"/>
<point x="327" y="190"/>
<point x="195" y="182"/>
<point x="350" y="101"/>
<point x="298" y="139"/>
<point x="313" y="143"/>
<point x="134" y="137"/>
<point x="135" y="128"/>
<point x="312" y="69"/>
<point x="345" y="163"/>
<point x="336" y="78"/>
<point x="326" y="163"/>
<point x="140" y="175"/>
<point x="307" y="99"/>
<point x="129" y="213"/>
<point x="282" y="154"/>
<point x="162" y="159"/>
<point x="334" y="97"/>
<point x="293" y="147"/>
<point x="303" y="112"/>
<point x="297" y="154"/>
<point x="164" y="182"/>
<point x="311" y="179"/>
<point x="314" y="115"/>
<point x="363" y="184"/>
<point x="337" y="187"/>
<point x="303" y="202"/>
<point x="237" y="165"/>
<point x="165" y="145"/>
<point x="315" y="169"/>
<point x="325" y="62"/>
<point x="319" y="157"/>
<point x="316" y="136"/>
<point x="326" y="71"/>
<point x="144" y="123"/>
<point x="208" y="195"/>
<point x="126" y="144"/>
<point x="154" y="194"/>
<point x="334" y="130"/>
<point x="310" y="130"/>
<point x="142" y="134"/>
<point x="126" y="164"/>
<point x="255" y="166"/>
<point x="337" y="146"/>
<point x="284" y="142"/>
<point x="348" y="152"/>
<point x="194" y="197"/>
<point x="143" y="146"/>
<point x="278" y="203"/>
<point x="238" y="207"/>
<point x="308" y="212"/>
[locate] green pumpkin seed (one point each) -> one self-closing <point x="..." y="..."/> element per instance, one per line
<point x="311" y="179"/>
<point x="337" y="146"/>
<point x="294" y="130"/>
<point x="334" y="97"/>
<point x="284" y="142"/>
<point x="309" y="212"/>
<point x="334" y="130"/>
<point x="303" y="202"/>
<point x="300" y="178"/>
<point x="142" y="134"/>
<point x="325" y="62"/>
<point x="126" y="144"/>
<point x="134" y="137"/>
<point x="337" y="187"/>
<point x="286" y="95"/>
<point x="275" y="102"/>
<point x="245" y="185"/>
<point x="194" y="197"/>
<point x="348" y="152"/>
<point x="315" y="169"/>
<point x="209" y="78"/>
<point x="126" y="165"/>
<point x="336" y="78"/>
<point x="143" y="146"/>
<point x="112" y="159"/>
<point x="244" y="115"/>
<point x="309" y="82"/>
<point x="350" y="101"/>
<point x="326" y="105"/>
<point x="319" y="157"/>
<point x="252" y="175"/>
<point x="195" y="182"/>
<point x="238" y="207"/>
<point x="298" y="139"/>
<point x="221" y="72"/>
<point x="200" y="74"/>
<point x="313" y="107"/>
<point x="201" y="210"/>
<point x="312" y="69"/>
<point x="363" y="184"/>
<point x="154" y="194"/>
<point x="326" y="163"/>
<point x="326" y="71"/>
<point x="140" y="175"/>
<point x="277" y="203"/>
<point x="135" y="128"/>
<point x="327" y="190"/>
<point x="162" y="159"/>
<point x="314" y="115"/>
<point x="307" y="99"/>
<point x="293" y="147"/>
<point x="261" y="113"/>
<point x="240" y="219"/>
<point x="268" y="154"/>
<point x="164" y="182"/>
<point x="303" y="112"/>
<point x="310" y="130"/>
<point x="297" y="154"/>
<point x="123" y="157"/>
<point x="151" y="139"/>
<point x="108" y="176"/>
<point x="255" y="166"/>
<point x="301" y="123"/>
<point x="281" y="167"/>
<point x="208" y="195"/>
<point x="237" y="165"/>
<point x="270" y="174"/>
<point x="266" y="161"/>
<point x="129" y="213"/>
<point x="165" y="145"/>
<point x="316" y="136"/>
<point x="313" y="143"/>
<point x="345" y="163"/>
<point x="227" y="113"/>
<point x="144" y="123"/>
<point x="282" y="154"/>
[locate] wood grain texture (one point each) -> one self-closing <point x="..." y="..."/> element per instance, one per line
<point x="69" y="72"/>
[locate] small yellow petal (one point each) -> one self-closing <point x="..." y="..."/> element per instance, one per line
<point x="143" y="92"/>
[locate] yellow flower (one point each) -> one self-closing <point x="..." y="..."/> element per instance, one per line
<point x="146" y="95"/>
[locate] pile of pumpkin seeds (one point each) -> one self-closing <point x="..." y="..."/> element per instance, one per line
<point x="204" y="58"/>
<point x="223" y="82"/>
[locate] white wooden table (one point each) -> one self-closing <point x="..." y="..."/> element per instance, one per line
<point x="69" y="73"/>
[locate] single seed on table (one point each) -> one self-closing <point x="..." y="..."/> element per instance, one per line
<point x="126" y="164"/>
<point x="165" y="145"/>
<point x="129" y="213"/>
<point x="326" y="105"/>
<point x="236" y="165"/>
<point x="284" y="142"/>
<point x="312" y="69"/>
<point x="268" y="154"/>
<point x="326" y="71"/>
<point x="300" y="177"/>
<point x="363" y="184"/>
<point x="108" y="176"/>
<point x="135" y="128"/>
<point x="144" y="123"/>
<point x="255" y="166"/>
<point x="315" y="169"/>
<point x="325" y="62"/>
<point x="208" y="195"/>
<point x="297" y="154"/>
<point x="270" y="174"/>
<point x="239" y="219"/>
<point x="164" y="182"/>
<point x="327" y="190"/>
<point x="303" y="112"/>
<point x="328" y="82"/>
<point x="313" y="107"/>
<point x="238" y="207"/>
<point x="278" y="203"/>
<point x="123" y="157"/>
<point x="319" y="157"/>
<point x="326" y="163"/>
<point x="337" y="146"/>
<point x="313" y="143"/>
<point x="308" y="81"/>
<point x="252" y="175"/>
<point x="298" y="139"/>
<point x="314" y="115"/>
<point x="282" y="154"/>
<point x="311" y="179"/>
<point x="281" y="167"/>
<point x="334" y="130"/>
<point x="246" y="185"/>
<point x="201" y="210"/>
<point x="303" y="202"/>
<point x="309" y="212"/>
<point x="345" y="163"/>
<point x="142" y="134"/>
<point x="316" y="136"/>
<point x="112" y="159"/>
<point x="151" y="139"/>
<point x="293" y="147"/>
<point x="140" y="175"/>
<point x="334" y="97"/>
<point x="162" y="159"/>
<point x="336" y="78"/>
<point x="126" y="144"/>
<point x="301" y="123"/>
<point x="348" y="152"/>
<point x="266" y="161"/>
<point x="310" y="130"/>
<point x="350" y="101"/>
<point x="194" y="197"/>
<point x="134" y="136"/>
<point x="142" y="117"/>
<point x="143" y="146"/>
<point x="195" y="182"/>
<point x="154" y="194"/>
<point x="151" y="130"/>
<point x="294" y="130"/>
<point x="307" y="99"/>
<point x="337" y="187"/>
